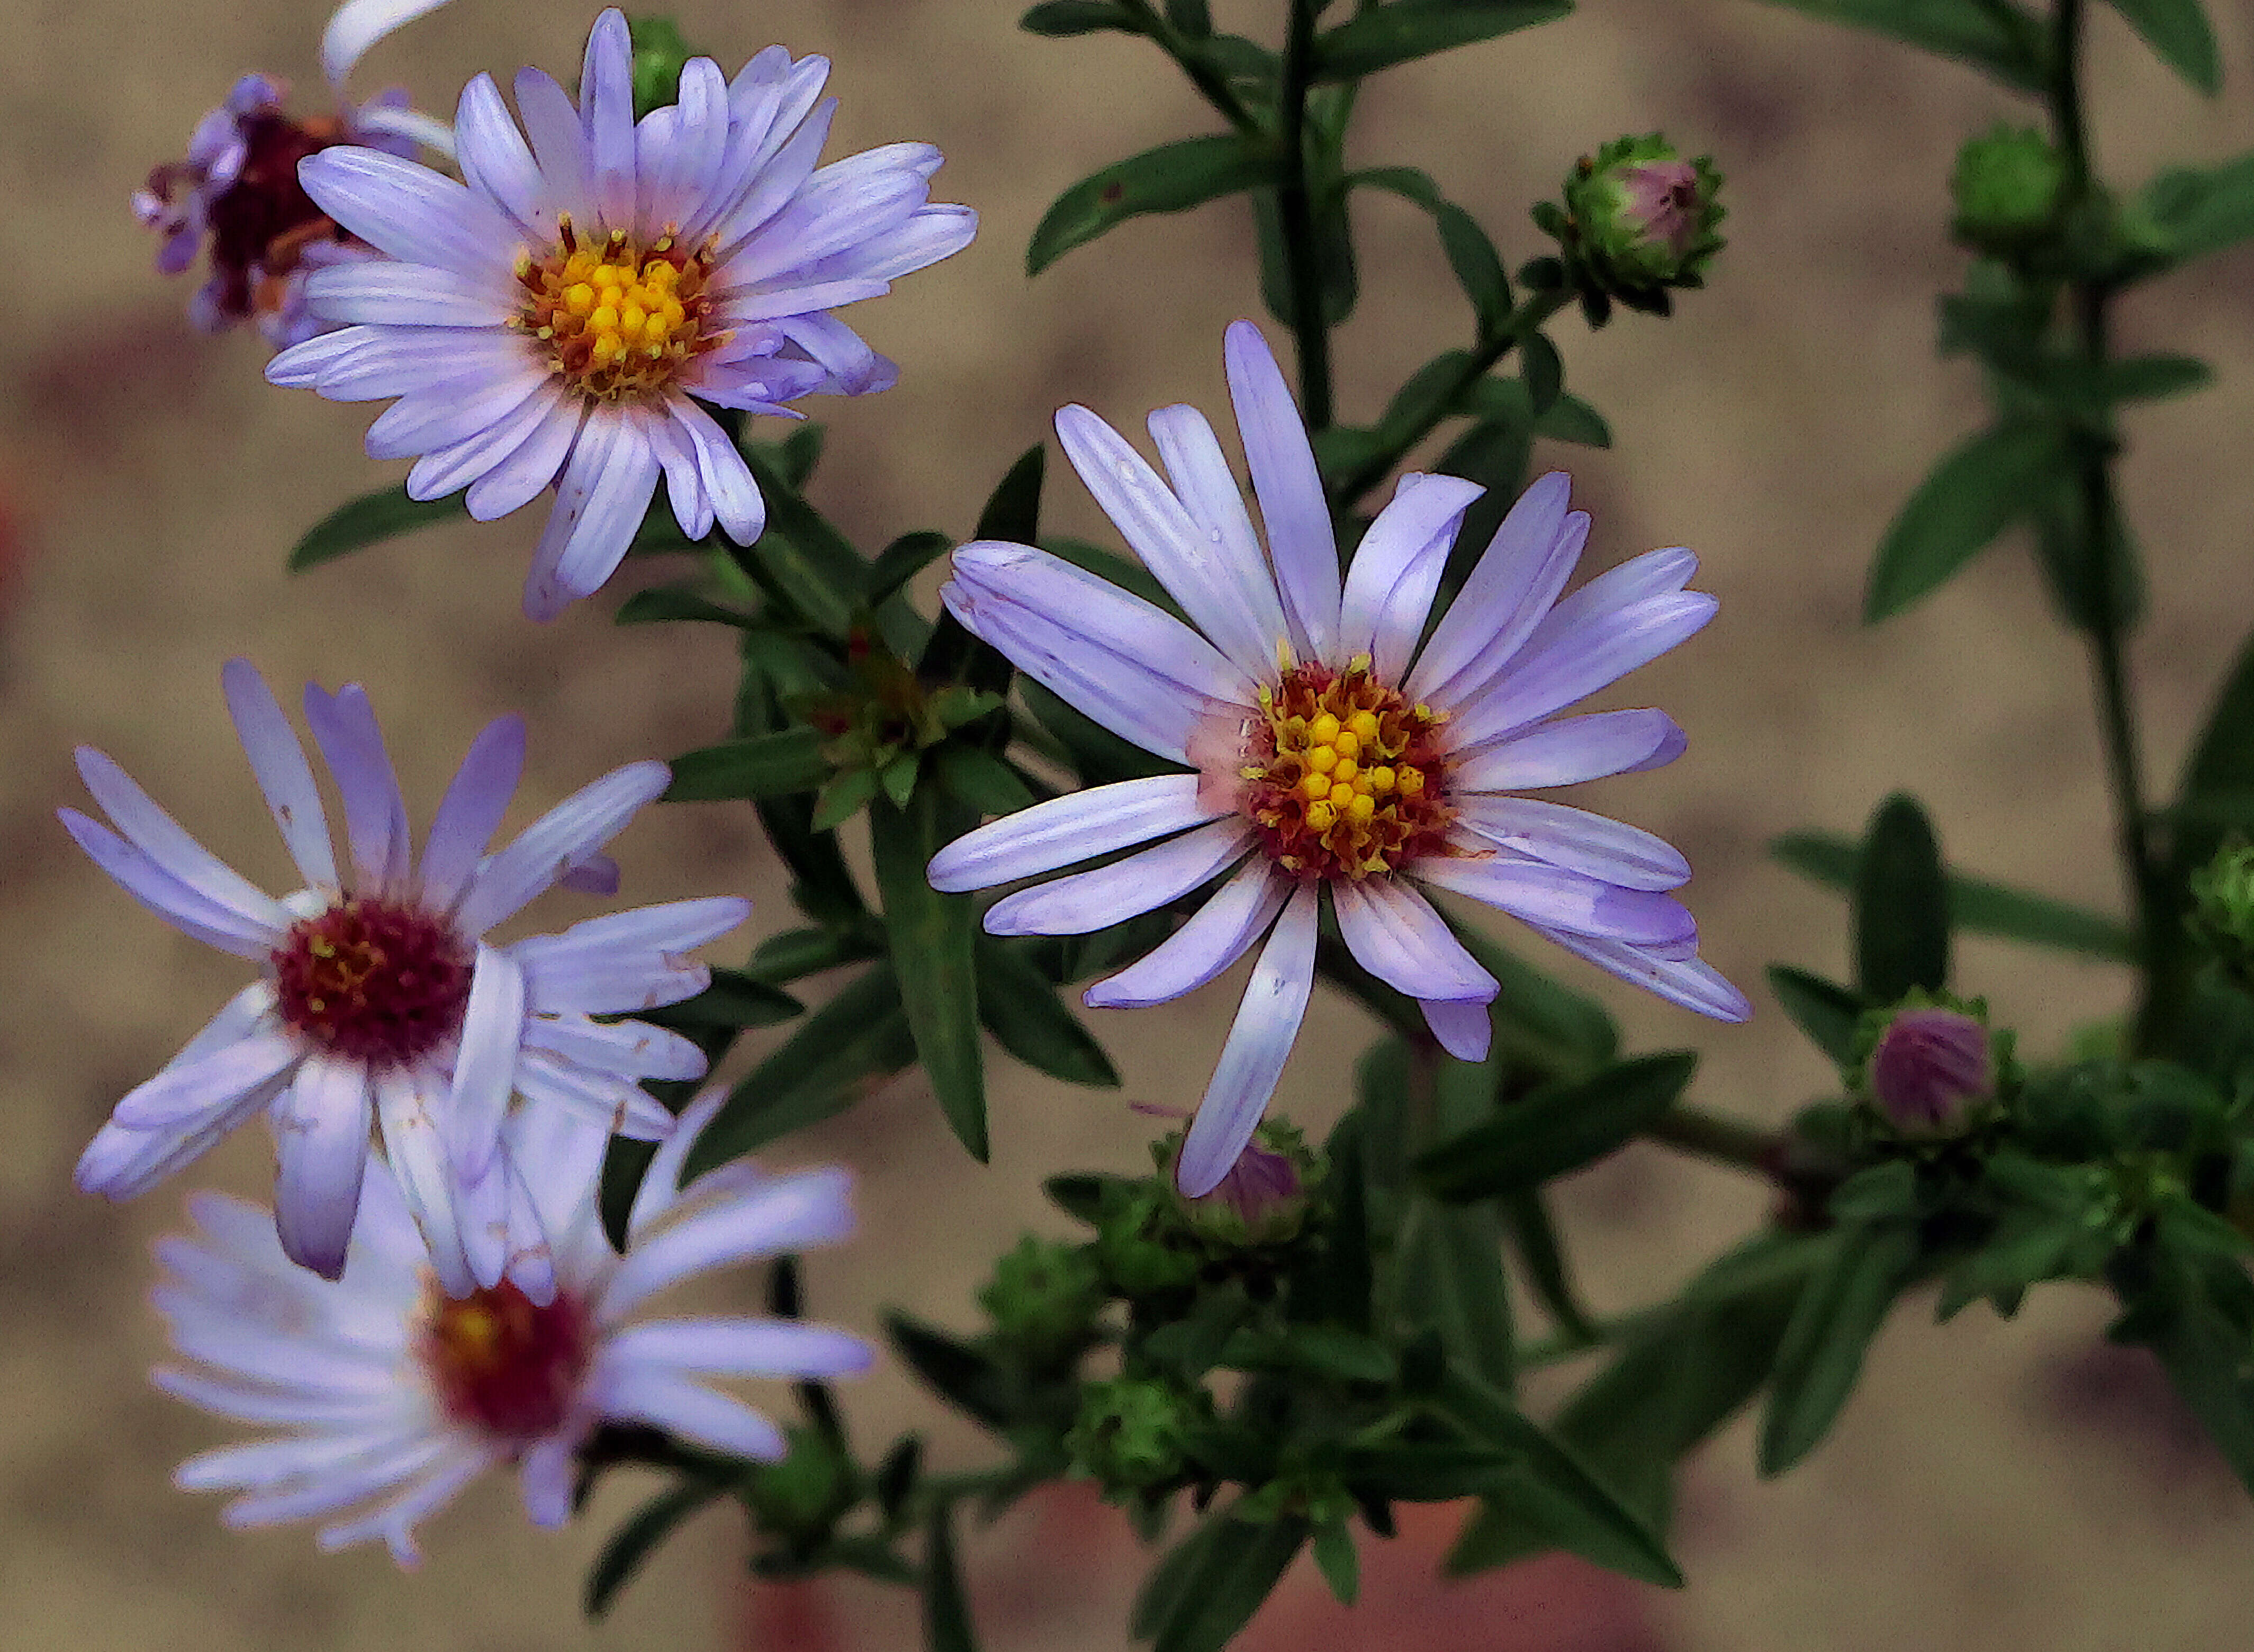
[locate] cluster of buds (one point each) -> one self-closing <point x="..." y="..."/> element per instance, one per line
<point x="877" y="728"/>
<point x="1638" y="220"/>
<point x="1044" y="1298"/>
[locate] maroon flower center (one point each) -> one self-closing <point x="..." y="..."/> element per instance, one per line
<point x="263" y="223"/>
<point x="377" y="980"/>
<point x="1343" y="777"/>
<point x="502" y="1363"/>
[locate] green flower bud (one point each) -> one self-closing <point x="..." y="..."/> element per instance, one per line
<point x="1129" y="1434"/>
<point x="1044" y="1298"/>
<point x="808" y="1492"/>
<point x="2009" y="186"/>
<point x="2223" y="910"/>
<point x="1264" y="1198"/>
<point x="1133" y="1252"/>
<point x="659" y="56"/>
<point x="1639" y="217"/>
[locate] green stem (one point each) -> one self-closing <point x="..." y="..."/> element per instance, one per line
<point x="1295" y="206"/>
<point x="1209" y="80"/>
<point x="1718" y="1139"/>
<point x="1520" y="324"/>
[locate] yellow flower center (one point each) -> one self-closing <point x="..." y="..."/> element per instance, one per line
<point x="1343" y="776"/>
<point x="620" y="321"/>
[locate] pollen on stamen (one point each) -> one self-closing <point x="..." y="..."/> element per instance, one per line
<point x="378" y="981"/>
<point x="616" y="320"/>
<point x="1344" y="778"/>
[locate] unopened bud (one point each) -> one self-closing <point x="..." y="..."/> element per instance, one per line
<point x="2009" y="186"/>
<point x="1928" y="1065"/>
<point x="1642" y="217"/>
<point x="1045" y="1297"/>
<point x="1262" y="1199"/>
<point x="1128" y="1434"/>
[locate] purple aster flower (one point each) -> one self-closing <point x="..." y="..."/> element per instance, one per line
<point x="389" y="1397"/>
<point x="1324" y="750"/>
<point x="563" y="315"/>
<point x="381" y="1004"/>
<point x="238" y="188"/>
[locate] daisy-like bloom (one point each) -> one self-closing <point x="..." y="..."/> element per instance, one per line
<point x="561" y="315"/>
<point x="238" y="188"/>
<point x="388" y="1397"/>
<point x="381" y="1004"/>
<point x="1324" y="750"/>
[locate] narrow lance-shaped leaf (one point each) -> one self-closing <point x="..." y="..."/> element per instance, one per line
<point x="1973" y="495"/>
<point x="1975" y="905"/>
<point x="1020" y="1008"/>
<point x="902" y="561"/>
<point x="946" y="1609"/>
<point x="1171" y="178"/>
<point x="1478" y="268"/>
<point x="665" y="604"/>
<point x="1998" y="36"/>
<point x="370" y="519"/>
<point x="1901" y="905"/>
<point x="2180" y="34"/>
<point x="638" y="1538"/>
<point x="934" y="955"/>
<point x="1826" y="1012"/>
<point x="1060" y="20"/>
<point x="2203" y="209"/>
<point x="1379" y="36"/>
<point x="1558" y="1127"/>
<point x="763" y="766"/>
<point x="2221" y="765"/>
<point x="1840" y="1310"/>
<point x="1233" y="1573"/>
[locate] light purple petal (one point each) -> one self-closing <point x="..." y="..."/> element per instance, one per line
<point x="189" y="910"/>
<point x="1575" y="838"/>
<point x="565" y="835"/>
<point x="661" y="1183"/>
<point x="1217" y="579"/>
<point x="727" y="480"/>
<point x="544" y="1480"/>
<point x="1397" y="569"/>
<point x="1207" y="490"/>
<point x="358" y="25"/>
<point x="1290" y="488"/>
<point x="606" y="101"/>
<point x="495" y="160"/>
<point x="407" y="1108"/>
<point x="375" y="814"/>
<point x="679" y="147"/>
<point x="676" y="460"/>
<point x="320" y="1151"/>
<point x="339" y="1489"/>
<point x="1217" y="934"/>
<point x="1571" y="750"/>
<point x="558" y="145"/>
<point x="550" y="422"/>
<point x="471" y="810"/>
<point x="617" y="1105"/>
<point x="188" y="1093"/>
<point x="782" y="1348"/>
<point x="474" y="407"/>
<point x="599" y="504"/>
<point x="793" y="1212"/>
<point x="1090" y="901"/>
<point x="381" y="293"/>
<point x="641" y="1394"/>
<point x="406" y="211"/>
<point x="622" y="1049"/>
<point x="485" y="1074"/>
<point x="1394" y="934"/>
<point x="162" y="839"/>
<point x="284" y="775"/>
<point x="1512" y="586"/>
<point x="1575" y="665"/>
<point x="1075" y="827"/>
<point x="300" y="366"/>
<point x="1461" y="1025"/>
<point x="395" y="1521"/>
<point x="385" y="361"/>
<point x="1687" y="982"/>
<point x="1557" y="898"/>
<point x="1259" y="1042"/>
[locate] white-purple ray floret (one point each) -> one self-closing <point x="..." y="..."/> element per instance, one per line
<point x="1324" y="748"/>
<point x="384" y="1007"/>
<point x="374" y="1416"/>
<point x="516" y="366"/>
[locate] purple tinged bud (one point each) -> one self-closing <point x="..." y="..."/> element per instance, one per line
<point x="1262" y="1199"/>
<point x="1928" y="1065"/>
<point x="1661" y="199"/>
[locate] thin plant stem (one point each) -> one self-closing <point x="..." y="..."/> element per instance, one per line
<point x="1717" y="1138"/>
<point x="1210" y="84"/>
<point x="1295" y="206"/>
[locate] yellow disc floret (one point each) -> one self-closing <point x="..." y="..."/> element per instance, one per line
<point x="618" y="321"/>
<point x="1344" y="778"/>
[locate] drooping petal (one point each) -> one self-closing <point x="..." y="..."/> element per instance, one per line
<point x="600" y="503"/>
<point x="410" y="1109"/>
<point x="320" y="1149"/>
<point x="745" y="1347"/>
<point x="188" y="910"/>
<point x="525" y="454"/>
<point x="1394" y="934"/>
<point x="395" y="1521"/>
<point x="1571" y="750"/>
<point x="284" y="774"/>
<point x="1260" y="1041"/>
<point x="1090" y="901"/>
<point x="1075" y="827"/>
<point x="358" y="25"/>
<point x="1396" y="569"/>
<point x="167" y="843"/>
<point x="1290" y="488"/>
<point x="1217" y="934"/>
<point x="183" y="1094"/>
<point x="1575" y="838"/>
<point x="1696" y="986"/>
<point x="624" y="1049"/>
<point x="1462" y="1025"/>
<point x="617" y="1105"/>
<point x="545" y="1478"/>
<point x="485" y="1073"/>
<point x="1555" y="899"/>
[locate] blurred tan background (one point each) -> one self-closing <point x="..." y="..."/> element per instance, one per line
<point x="1991" y="1485"/>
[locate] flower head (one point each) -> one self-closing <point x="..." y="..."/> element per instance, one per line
<point x="381" y="1005"/>
<point x="2009" y="185"/>
<point x="1325" y="754"/>
<point x="391" y="1395"/>
<point x="563" y="314"/>
<point x="1926" y="1064"/>
<point x="1638" y="220"/>
<point x="238" y="190"/>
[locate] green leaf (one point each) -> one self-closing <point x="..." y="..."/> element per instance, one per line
<point x="734" y="999"/>
<point x="1543" y="370"/>
<point x="765" y="766"/>
<point x="807" y="562"/>
<point x="1558" y="1127"/>
<point x="946" y="1609"/>
<point x="1552" y="1490"/>
<point x="1977" y="491"/>
<point x="1828" y="1012"/>
<point x="1336" y="1559"/>
<point x="1097" y="755"/>
<point x="1534" y="1235"/>
<point x="370" y="519"/>
<point x="935" y="957"/>
<point x="2200" y="210"/>
<point x="1379" y="36"/>
<point x="637" y="1539"/>
<point x="982" y="780"/>
<point x="1017" y="1004"/>
<point x="1540" y="1023"/>
<point x="902" y="561"/>
<point x="2221" y="765"/>
<point x="1478" y="267"/>
<point x="814" y="1073"/>
<point x="1060" y="20"/>
<point x="664" y="603"/>
<point x="1997" y="36"/>
<point x="2180" y="34"/>
<point x="1171" y="178"/>
<point x="1841" y="1309"/>
<point x="1901" y="905"/>
<point x="1448" y="1276"/>
<point x="848" y="792"/>
<point x="1229" y="1575"/>
<point x="1013" y="509"/>
<point x="963" y="1375"/>
<point x="1975" y="905"/>
<point x="796" y="954"/>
